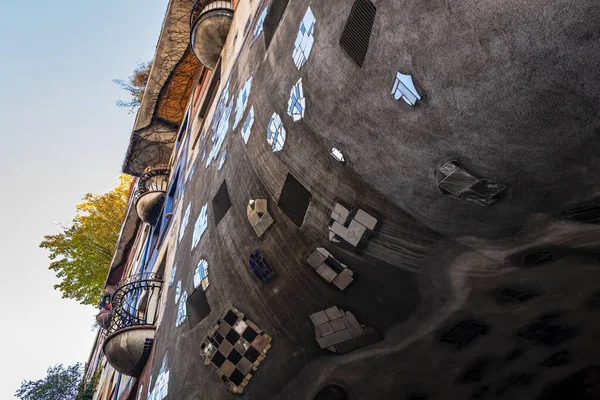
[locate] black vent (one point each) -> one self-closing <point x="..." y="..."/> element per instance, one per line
<point x="221" y="203"/>
<point x="357" y="32"/>
<point x="294" y="200"/>
<point x="272" y="19"/>
<point x="589" y="213"/>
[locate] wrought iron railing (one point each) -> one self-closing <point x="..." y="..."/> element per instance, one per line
<point x="153" y="180"/>
<point x="198" y="7"/>
<point x="136" y="302"/>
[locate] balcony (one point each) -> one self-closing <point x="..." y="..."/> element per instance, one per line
<point x="210" y="22"/>
<point x="130" y="334"/>
<point x="150" y="193"/>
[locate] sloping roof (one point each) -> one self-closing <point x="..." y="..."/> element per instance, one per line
<point x="168" y="90"/>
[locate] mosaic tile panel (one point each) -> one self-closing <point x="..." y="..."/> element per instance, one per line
<point x="276" y="133"/>
<point x="404" y="89"/>
<point x="161" y="387"/>
<point x="236" y="347"/>
<point x="220" y="124"/>
<point x="247" y="127"/>
<point x="181" y="310"/>
<point x="201" y="274"/>
<point x="259" y="24"/>
<point x="222" y="160"/>
<point x="184" y="221"/>
<point x="304" y="39"/>
<point x="178" y="292"/>
<point x="200" y="225"/>
<point x="297" y="102"/>
<point x="172" y="277"/>
<point x="242" y="102"/>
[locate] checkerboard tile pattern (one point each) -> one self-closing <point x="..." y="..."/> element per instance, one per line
<point x="235" y="346"/>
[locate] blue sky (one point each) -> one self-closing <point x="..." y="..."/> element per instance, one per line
<point x="62" y="136"/>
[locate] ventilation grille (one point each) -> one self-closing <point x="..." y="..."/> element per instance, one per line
<point x="589" y="213"/>
<point x="357" y="32"/>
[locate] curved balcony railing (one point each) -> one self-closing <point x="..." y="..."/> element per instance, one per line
<point x="210" y="21"/>
<point x="150" y="193"/>
<point x="129" y="336"/>
<point x="136" y="302"/>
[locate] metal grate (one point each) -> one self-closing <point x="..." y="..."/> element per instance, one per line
<point x="589" y="213"/>
<point x="357" y="32"/>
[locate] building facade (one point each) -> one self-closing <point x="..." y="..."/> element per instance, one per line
<point x="361" y="200"/>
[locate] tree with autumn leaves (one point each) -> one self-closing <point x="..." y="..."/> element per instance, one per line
<point x="82" y="252"/>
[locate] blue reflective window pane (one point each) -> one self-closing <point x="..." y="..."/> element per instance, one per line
<point x="304" y="39"/>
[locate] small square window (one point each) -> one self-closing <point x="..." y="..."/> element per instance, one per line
<point x="221" y="203"/>
<point x="294" y="200"/>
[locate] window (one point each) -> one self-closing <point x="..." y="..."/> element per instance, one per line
<point x="297" y="103"/>
<point x="181" y="309"/>
<point x="197" y="307"/>
<point x="272" y="20"/>
<point x="221" y="203"/>
<point x="242" y="102"/>
<point x="184" y="221"/>
<point x="304" y="39"/>
<point x="276" y="133"/>
<point x="200" y="225"/>
<point x="247" y="127"/>
<point x="201" y="274"/>
<point x="294" y="200"/>
<point x="404" y="89"/>
<point x="222" y="160"/>
<point x="259" y="24"/>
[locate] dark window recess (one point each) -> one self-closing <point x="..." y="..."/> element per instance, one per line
<point x="480" y="393"/>
<point x="513" y="294"/>
<point x="464" y="333"/>
<point x="212" y="91"/>
<point x="272" y="20"/>
<point x="418" y="396"/>
<point x="221" y="203"/>
<point x="331" y="392"/>
<point x="515" y="381"/>
<point x="582" y="385"/>
<point x="197" y="307"/>
<point x="544" y="331"/>
<point x="474" y="372"/>
<point x="593" y="303"/>
<point x="514" y="354"/>
<point x="357" y="32"/>
<point x="294" y="200"/>
<point x="557" y="359"/>
<point x="538" y="258"/>
<point x="589" y="213"/>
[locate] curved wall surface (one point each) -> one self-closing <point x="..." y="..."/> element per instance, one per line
<point x="510" y="90"/>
